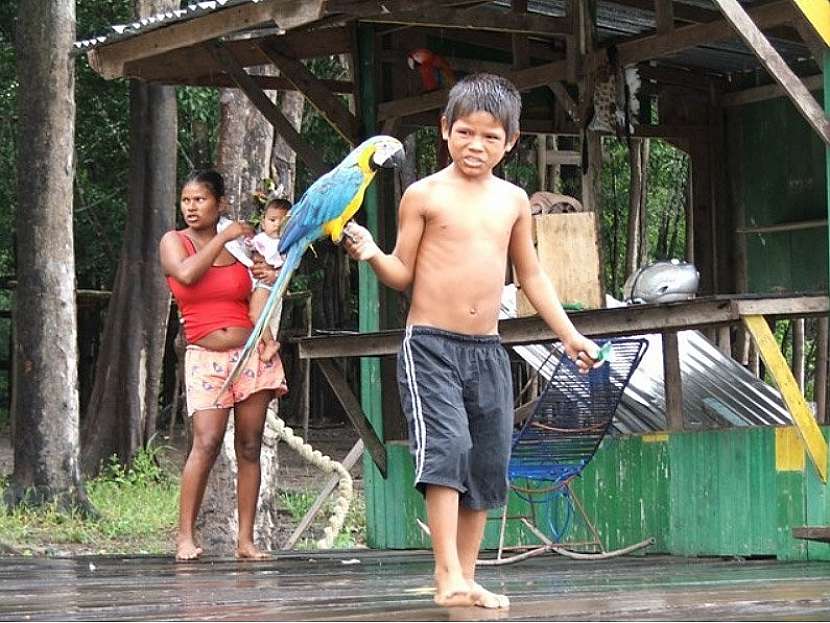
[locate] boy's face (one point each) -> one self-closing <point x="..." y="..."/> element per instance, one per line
<point x="477" y="142"/>
<point x="271" y="220"/>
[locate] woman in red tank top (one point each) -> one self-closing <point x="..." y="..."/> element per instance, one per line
<point x="212" y="289"/>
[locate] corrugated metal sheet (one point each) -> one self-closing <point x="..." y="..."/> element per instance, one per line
<point x="717" y="391"/>
<point x="166" y="18"/>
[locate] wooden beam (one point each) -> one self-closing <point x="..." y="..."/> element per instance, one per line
<point x="369" y="8"/>
<point x="812" y="533"/>
<point x="608" y="322"/>
<point x="664" y="16"/>
<point x="326" y="103"/>
<point x="779" y="227"/>
<point x="769" y="91"/>
<point x="266" y="83"/>
<point x="268" y="109"/>
<point x="555" y="157"/>
<point x="182" y="64"/>
<point x="672" y="386"/>
<point x="810" y="434"/>
<point x="351" y="405"/>
<point x="480" y="19"/>
<point x="524" y="79"/>
<point x="655" y="46"/>
<point x="804" y="102"/>
<point x="564" y="98"/>
<point x="109" y="60"/>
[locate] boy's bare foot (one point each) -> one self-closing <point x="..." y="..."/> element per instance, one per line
<point x="249" y="551"/>
<point x="452" y="592"/>
<point x="186" y="549"/>
<point x="269" y="349"/>
<point x="488" y="599"/>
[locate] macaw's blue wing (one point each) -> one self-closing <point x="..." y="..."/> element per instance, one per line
<point x="325" y="200"/>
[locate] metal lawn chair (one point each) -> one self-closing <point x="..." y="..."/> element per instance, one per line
<point x="555" y="443"/>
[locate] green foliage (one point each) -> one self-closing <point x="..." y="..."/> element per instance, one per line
<point x="666" y="196"/>
<point x="138" y="507"/>
<point x="353" y="534"/>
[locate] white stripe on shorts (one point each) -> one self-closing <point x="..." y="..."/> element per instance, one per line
<point x="417" y="413"/>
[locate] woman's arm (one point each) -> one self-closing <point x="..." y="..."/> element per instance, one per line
<point x="188" y="269"/>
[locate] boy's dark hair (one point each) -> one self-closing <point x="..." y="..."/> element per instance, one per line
<point x="210" y="178"/>
<point x="486" y="93"/>
<point x="278" y="204"/>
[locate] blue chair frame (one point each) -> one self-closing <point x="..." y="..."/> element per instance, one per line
<point x="557" y="441"/>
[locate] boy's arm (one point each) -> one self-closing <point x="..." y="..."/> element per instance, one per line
<point x="396" y="269"/>
<point x="541" y="292"/>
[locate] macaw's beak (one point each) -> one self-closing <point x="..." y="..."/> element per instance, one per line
<point x="392" y="159"/>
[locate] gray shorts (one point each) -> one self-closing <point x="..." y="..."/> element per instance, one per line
<point x="457" y="395"/>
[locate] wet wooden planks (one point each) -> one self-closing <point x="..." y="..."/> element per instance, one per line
<point x="395" y="586"/>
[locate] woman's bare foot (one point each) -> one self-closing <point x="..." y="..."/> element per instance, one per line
<point x="452" y="591"/>
<point x="186" y="549"/>
<point x="488" y="599"/>
<point x="248" y="551"/>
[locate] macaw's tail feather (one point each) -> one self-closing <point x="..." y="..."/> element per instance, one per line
<point x="292" y="261"/>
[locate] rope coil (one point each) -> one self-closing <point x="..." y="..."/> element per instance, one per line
<point x="328" y="465"/>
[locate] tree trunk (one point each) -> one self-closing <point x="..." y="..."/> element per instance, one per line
<point x="635" y="180"/>
<point x="245" y="139"/>
<point x="642" y="252"/>
<point x="283" y="158"/>
<point x="46" y="411"/>
<point x="123" y="407"/>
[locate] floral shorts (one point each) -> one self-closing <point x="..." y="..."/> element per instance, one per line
<point x="206" y="372"/>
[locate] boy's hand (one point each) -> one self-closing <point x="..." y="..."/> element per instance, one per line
<point x="582" y="351"/>
<point x="359" y="243"/>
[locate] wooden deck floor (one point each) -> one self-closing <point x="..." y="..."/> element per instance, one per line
<point x="393" y="586"/>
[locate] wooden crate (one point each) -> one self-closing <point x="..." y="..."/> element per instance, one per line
<point x="568" y="249"/>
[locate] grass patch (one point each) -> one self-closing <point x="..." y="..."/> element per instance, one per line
<point x="353" y="534"/>
<point x="138" y="507"/>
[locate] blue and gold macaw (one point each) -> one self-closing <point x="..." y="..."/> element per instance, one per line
<point x="323" y="210"/>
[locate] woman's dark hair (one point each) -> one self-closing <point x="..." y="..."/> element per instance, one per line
<point x="210" y="178"/>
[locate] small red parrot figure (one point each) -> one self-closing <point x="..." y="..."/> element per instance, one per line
<point x="435" y="73"/>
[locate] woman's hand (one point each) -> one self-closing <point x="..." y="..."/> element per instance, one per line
<point x="237" y="229"/>
<point x="264" y="271"/>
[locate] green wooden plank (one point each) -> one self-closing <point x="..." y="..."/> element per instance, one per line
<point x="368" y="319"/>
<point x="817" y="510"/>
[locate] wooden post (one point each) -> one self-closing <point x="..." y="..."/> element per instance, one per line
<point x="672" y="382"/>
<point x="542" y="160"/>
<point x="810" y="434"/>
<point x="725" y="340"/>
<point x="820" y="383"/>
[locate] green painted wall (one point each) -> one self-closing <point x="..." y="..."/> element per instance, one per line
<point x="780" y="178"/>
<point x="712" y="493"/>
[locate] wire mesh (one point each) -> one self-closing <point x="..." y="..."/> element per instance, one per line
<point x="572" y="415"/>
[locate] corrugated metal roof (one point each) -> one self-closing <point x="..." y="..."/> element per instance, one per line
<point x="613" y="20"/>
<point x="717" y="391"/>
<point x="125" y="31"/>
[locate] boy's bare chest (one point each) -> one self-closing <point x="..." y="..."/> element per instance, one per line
<point x="466" y="219"/>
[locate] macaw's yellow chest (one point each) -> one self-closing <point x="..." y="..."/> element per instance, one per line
<point x="334" y="227"/>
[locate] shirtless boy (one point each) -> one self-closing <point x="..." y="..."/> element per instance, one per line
<point x="456" y="229"/>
